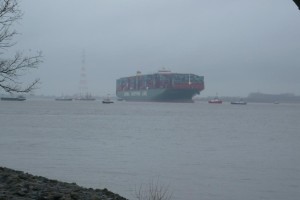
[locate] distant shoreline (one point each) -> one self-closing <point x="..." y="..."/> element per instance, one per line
<point x="19" y="185"/>
<point x="254" y="97"/>
<point x="257" y="97"/>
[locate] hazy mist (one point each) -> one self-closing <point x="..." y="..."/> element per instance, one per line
<point x="240" y="46"/>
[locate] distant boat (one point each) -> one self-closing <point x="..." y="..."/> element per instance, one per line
<point x="18" y="98"/>
<point x="240" y="102"/>
<point x="216" y="100"/>
<point x="87" y="97"/>
<point x="63" y="99"/>
<point x="276" y="102"/>
<point x="107" y="100"/>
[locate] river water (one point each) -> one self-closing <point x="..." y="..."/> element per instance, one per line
<point x="195" y="150"/>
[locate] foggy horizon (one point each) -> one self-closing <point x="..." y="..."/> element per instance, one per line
<point x="238" y="46"/>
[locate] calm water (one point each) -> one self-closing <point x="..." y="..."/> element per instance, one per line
<point x="200" y="151"/>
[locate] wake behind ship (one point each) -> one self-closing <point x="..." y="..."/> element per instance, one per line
<point x="163" y="86"/>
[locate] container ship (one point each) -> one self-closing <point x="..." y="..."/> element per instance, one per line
<point x="163" y="86"/>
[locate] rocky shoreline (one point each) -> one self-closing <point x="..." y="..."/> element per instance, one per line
<point x="18" y="185"/>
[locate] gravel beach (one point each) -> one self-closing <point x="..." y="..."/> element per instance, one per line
<point x="18" y="185"/>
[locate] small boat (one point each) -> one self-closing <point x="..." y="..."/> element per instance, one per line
<point x="87" y="97"/>
<point x="240" y="102"/>
<point x="216" y="100"/>
<point x="63" y="99"/>
<point x="18" y="98"/>
<point x="107" y="100"/>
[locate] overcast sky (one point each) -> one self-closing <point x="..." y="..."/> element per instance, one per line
<point x="239" y="46"/>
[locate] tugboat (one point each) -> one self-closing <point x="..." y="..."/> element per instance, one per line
<point x="107" y="100"/>
<point x="215" y="100"/>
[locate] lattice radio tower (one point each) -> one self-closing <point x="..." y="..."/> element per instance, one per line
<point x="83" y="85"/>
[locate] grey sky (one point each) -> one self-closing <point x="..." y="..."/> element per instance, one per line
<point x="240" y="46"/>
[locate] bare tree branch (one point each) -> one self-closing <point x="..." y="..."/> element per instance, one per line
<point x="154" y="191"/>
<point x="297" y="2"/>
<point x="12" y="69"/>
